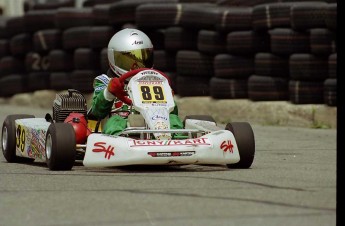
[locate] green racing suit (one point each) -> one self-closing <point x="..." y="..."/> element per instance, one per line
<point x="103" y="107"/>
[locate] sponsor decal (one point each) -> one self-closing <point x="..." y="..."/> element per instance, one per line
<point x="100" y="88"/>
<point x="31" y="142"/>
<point x="103" y="147"/>
<point x="149" y="72"/>
<point x="227" y="146"/>
<point x="137" y="42"/>
<point x="194" y="142"/>
<point x="37" y="149"/>
<point x="21" y="137"/>
<point x="171" y="154"/>
<point x="160" y="125"/>
<point x="103" y="78"/>
<point x="156" y="117"/>
<point x="150" y="82"/>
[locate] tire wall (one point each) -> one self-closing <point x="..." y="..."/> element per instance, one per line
<point x="265" y="50"/>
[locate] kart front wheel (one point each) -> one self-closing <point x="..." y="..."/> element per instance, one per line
<point x="8" y="137"/>
<point x="244" y="137"/>
<point x="60" y="146"/>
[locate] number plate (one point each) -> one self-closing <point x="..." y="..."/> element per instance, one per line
<point x="152" y="94"/>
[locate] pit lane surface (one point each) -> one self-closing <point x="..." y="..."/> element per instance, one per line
<point x="292" y="182"/>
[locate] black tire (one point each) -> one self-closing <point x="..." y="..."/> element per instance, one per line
<point x="35" y="20"/>
<point x="247" y="42"/>
<point x="14" y="84"/>
<point x="60" y="146"/>
<point x="8" y="136"/>
<point x="101" y="14"/>
<point x="208" y="118"/>
<point x="269" y="64"/>
<point x="330" y="92"/>
<point x="322" y="41"/>
<point x="271" y="15"/>
<point x="164" y="61"/>
<point x="122" y="12"/>
<point x="82" y="80"/>
<point x="4" y="48"/>
<point x="308" y="67"/>
<point x="61" y="61"/>
<point x="201" y="86"/>
<point x="76" y="37"/>
<point x="331" y="16"/>
<point x="104" y="63"/>
<point x="245" y="140"/>
<point x="223" y="88"/>
<point x="178" y="38"/>
<point x="332" y="65"/>
<point x="60" y="81"/>
<point x="306" y="92"/>
<point x="157" y="15"/>
<point x="211" y="42"/>
<point x="100" y="36"/>
<point x="21" y="44"/>
<point x="11" y="26"/>
<point x="36" y="62"/>
<point x="86" y="59"/>
<point x="242" y="16"/>
<point x="286" y="41"/>
<point x="11" y="65"/>
<point x="200" y="16"/>
<point x="233" y="66"/>
<point x="307" y="15"/>
<point x="267" y="88"/>
<point x="46" y="40"/>
<point x="68" y="17"/>
<point x="194" y="63"/>
<point x="38" y="81"/>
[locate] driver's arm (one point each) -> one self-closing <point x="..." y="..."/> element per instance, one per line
<point x="101" y="105"/>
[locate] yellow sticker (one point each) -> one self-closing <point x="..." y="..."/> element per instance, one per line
<point x="92" y="125"/>
<point x="152" y="93"/>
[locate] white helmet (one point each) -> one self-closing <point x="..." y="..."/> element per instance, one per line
<point x="129" y="49"/>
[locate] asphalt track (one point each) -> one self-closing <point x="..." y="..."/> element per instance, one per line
<point x="291" y="182"/>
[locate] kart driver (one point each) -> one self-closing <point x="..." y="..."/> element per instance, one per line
<point x="109" y="93"/>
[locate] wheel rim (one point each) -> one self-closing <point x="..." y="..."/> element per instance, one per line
<point x="49" y="146"/>
<point x="4" y="138"/>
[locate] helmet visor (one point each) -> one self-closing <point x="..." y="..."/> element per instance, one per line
<point x="134" y="59"/>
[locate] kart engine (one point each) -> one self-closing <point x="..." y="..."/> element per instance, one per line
<point x="66" y="103"/>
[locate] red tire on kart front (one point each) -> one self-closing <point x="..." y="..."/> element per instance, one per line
<point x="60" y="146"/>
<point x="244" y="137"/>
<point x="8" y="137"/>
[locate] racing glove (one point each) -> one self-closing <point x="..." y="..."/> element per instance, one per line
<point x="116" y="87"/>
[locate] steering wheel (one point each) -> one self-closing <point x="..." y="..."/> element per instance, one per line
<point x="131" y="73"/>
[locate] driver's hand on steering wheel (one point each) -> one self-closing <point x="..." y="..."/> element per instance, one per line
<point x="116" y="87"/>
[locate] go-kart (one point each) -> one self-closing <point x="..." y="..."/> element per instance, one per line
<point x="73" y="133"/>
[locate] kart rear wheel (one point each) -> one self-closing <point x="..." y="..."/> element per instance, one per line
<point x="60" y="146"/>
<point x="8" y="137"/>
<point x="244" y="136"/>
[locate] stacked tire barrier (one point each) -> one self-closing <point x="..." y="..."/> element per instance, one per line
<point x="261" y="50"/>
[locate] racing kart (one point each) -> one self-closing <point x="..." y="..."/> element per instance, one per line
<point x="73" y="133"/>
